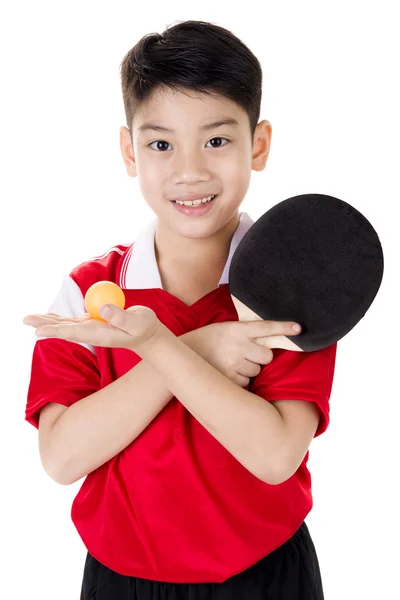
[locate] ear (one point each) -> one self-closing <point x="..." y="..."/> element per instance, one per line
<point x="261" y="145"/>
<point x="127" y="151"/>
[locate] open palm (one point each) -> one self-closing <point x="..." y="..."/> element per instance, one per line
<point x="123" y="329"/>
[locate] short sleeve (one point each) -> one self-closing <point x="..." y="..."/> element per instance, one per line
<point x="61" y="371"/>
<point x="306" y="376"/>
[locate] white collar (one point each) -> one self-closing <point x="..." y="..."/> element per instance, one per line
<point x="140" y="269"/>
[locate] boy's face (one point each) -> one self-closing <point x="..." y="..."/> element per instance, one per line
<point x="190" y="159"/>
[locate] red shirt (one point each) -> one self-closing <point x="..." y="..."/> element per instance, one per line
<point x="175" y="505"/>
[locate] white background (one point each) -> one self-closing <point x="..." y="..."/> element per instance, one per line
<point x="331" y="93"/>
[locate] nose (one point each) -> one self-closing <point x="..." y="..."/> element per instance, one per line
<point x="190" y="166"/>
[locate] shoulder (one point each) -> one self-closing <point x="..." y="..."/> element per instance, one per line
<point x="108" y="266"/>
<point x="306" y="376"/>
<point x="301" y="375"/>
<point x="314" y="364"/>
<point x="70" y="298"/>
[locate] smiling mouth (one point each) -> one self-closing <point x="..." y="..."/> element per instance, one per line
<point x="191" y="203"/>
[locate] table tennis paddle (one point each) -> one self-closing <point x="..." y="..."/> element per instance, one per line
<point x="312" y="259"/>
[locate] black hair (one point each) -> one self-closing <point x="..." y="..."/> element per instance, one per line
<point x="192" y="56"/>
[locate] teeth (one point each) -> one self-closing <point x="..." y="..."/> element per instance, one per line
<point x="196" y="202"/>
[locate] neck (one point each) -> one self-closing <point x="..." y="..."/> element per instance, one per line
<point x="174" y="249"/>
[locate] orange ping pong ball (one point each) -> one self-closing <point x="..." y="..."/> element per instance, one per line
<point x="103" y="292"/>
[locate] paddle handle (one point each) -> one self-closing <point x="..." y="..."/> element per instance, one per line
<point x="278" y="341"/>
<point x="272" y="341"/>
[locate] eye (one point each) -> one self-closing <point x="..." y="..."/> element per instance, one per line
<point x="219" y="145"/>
<point x="160" y="142"/>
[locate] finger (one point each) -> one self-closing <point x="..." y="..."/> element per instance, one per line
<point x="67" y="331"/>
<point x="258" y="354"/>
<point x="242" y="381"/>
<point x="92" y="332"/>
<point x="85" y="317"/>
<point x="37" y="320"/>
<point x="64" y="319"/>
<point x="116" y="316"/>
<point x="249" y="369"/>
<point x="131" y="321"/>
<point x="267" y="328"/>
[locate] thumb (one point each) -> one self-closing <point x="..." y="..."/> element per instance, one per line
<point x="125" y="320"/>
<point x="111" y="312"/>
<point x="136" y="320"/>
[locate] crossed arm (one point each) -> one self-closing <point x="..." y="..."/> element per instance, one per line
<point x="269" y="438"/>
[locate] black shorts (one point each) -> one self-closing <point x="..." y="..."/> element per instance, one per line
<point x="291" y="572"/>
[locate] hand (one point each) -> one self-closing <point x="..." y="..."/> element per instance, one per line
<point x="131" y="328"/>
<point x="237" y="348"/>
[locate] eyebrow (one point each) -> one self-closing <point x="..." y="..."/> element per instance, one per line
<point x="227" y="121"/>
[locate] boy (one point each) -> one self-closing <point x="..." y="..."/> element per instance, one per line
<point x="194" y="439"/>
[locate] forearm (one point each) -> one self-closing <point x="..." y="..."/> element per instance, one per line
<point x="98" y="427"/>
<point x="250" y="428"/>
